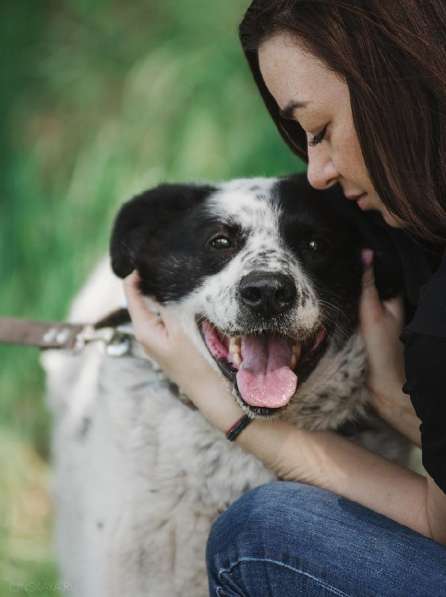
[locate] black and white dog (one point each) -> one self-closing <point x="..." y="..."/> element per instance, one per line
<point x="265" y="276"/>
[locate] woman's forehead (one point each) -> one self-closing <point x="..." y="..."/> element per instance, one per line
<point x="294" y="75"/>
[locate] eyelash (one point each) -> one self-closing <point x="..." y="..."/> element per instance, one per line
<point x="318" y="138"/>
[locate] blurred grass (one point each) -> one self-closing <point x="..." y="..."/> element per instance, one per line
<point x="100" y="99"/>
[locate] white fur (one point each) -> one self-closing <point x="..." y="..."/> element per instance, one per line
<point x="139" y="476"/>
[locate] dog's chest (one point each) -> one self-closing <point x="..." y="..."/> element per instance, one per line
<point x="168" y="447"/>
<point x="335" y="393"/>
<point x="149" y="476"/>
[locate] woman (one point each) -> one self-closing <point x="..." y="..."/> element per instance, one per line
<point x="358" y="88"/>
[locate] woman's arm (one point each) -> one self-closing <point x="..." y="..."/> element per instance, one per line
<point x="398" y="412"/>
<point x="436" y="511"/>
<point x="381" y="326"/>
<point x="334" y="463"/>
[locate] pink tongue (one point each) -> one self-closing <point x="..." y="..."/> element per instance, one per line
<point x="265" y="377"/>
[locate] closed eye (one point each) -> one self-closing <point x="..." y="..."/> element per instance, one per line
<point x="318" y="138"/>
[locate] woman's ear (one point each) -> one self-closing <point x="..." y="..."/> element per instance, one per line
<point x="143" y="220"/>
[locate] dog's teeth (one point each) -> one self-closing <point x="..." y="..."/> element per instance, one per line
<point x="235" y="347"/>
<point x="236" y="341"/>
<point x="297" y="349"/>
<point x="236" y="359"/>
<point x="319" y="338"/>
<point x="235" y="344"/>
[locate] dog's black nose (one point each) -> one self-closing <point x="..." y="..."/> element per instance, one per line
<point x="268" y="293"/>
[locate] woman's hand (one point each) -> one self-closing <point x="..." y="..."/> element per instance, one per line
<point x="163" y="339"/>
<point x="381" y="327"/>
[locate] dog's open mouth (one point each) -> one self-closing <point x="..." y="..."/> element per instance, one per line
<point x="264" y="367"/>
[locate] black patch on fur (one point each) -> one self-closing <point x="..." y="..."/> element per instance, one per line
<point x="114" y="319"/>
<point x="165" y="234"/>
<point x="328" y="216"/>
<point x="327" y="233"/>
<point x="147" y="217"/>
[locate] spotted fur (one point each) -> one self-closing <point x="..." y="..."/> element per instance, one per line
<point x="139" y="476"/>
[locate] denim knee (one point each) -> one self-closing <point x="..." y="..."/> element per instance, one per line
<point x="290" y="534"/>
<point x="261" y="516"/>
<point x="264" y="525"/>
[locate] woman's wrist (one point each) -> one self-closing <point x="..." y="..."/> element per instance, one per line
<point x="396" y="409"/>
<point x="329" y="461"/>
<point x="214" y="400"/>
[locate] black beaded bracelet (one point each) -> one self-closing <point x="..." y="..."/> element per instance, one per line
<point x="234" y="431"/>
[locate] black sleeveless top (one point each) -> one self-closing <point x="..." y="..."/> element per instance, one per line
<point x="424" y="338"/>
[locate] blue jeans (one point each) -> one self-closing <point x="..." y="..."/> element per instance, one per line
<point x="285" y="539"/>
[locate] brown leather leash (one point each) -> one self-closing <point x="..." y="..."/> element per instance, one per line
<point x="109" y="330"/>
<point x="69" y="336"/>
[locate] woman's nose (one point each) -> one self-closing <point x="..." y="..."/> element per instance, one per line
<point x="321" y="171"/>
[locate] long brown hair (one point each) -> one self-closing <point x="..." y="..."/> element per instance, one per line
<point x="392" y="55"/>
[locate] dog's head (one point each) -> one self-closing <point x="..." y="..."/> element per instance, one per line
<point x="265" y="274"/>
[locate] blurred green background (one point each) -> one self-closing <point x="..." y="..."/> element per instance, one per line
<point x="99" y="99"/>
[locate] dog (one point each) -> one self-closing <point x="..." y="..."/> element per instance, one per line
<point x="264" y="275"/>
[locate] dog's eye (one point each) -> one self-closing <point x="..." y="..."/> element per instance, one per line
<point x="317" y="246"/>
<point x="220" y="242"/>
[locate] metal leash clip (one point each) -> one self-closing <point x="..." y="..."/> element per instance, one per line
<point x="117" y="342"/>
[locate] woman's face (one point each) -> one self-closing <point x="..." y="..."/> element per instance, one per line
<point x="319" y="100"/>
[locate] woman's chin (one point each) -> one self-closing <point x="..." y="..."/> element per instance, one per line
<point x="367" y="203"/>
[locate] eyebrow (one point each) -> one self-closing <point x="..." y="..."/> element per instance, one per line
<point x="287" y="112"/>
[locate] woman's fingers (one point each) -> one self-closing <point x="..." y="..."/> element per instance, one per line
<point x="146" y="316"/>
<point x="371" y="308"/>
<point x="395" y="307"/>
<point x="381" y="324"/>
<point x="162" y="336"/>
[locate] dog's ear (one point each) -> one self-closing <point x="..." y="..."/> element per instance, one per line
<point x="147" y="216"/>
